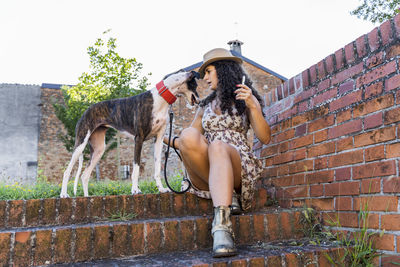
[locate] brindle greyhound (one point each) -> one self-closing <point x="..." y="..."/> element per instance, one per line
<point x="141" y="117"/>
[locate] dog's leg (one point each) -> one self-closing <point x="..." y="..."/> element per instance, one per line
<point x="97" y="143"/>
<point x="136" y="165"/>
<point x="78" y="173"/>
<point x="75" y="155"/>
<point x="157" y="161"/>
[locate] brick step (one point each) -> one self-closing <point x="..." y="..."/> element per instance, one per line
<point x="65" y="211"/>
<point x="106" y="239"/>
<point x="262" y="254"/>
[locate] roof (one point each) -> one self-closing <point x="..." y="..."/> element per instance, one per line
<point x="197" y="65"/>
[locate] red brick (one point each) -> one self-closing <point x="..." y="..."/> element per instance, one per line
<point x="235" y="263"/>
<point x="273" y="227"/>
<point x="343" y="174"/>
<point x="390" y="260"/>
<point x="42" y="248"/>
<point x="345" y="128"/>
<point x="320" y="203"/>
<point x="321" y="69"/>
<point x="346" y="100"/>
<point x="81" y="210"/>
<point x="392" y="116"/>
<point x="301" y="166"/>
<point x="343" y="203"/>
<point x="322" y="149"/>
<point x="300" y="130"/>
<point x="376" y="203"/>
<point x="373" y="121"/>
<point x="344" y="219"/>
<point x="178" y="206"/>
<point x="375" y="153"/>
<point x="22" y="249"/>
<point x="166" y="205"/>
<point x="300" y="154"/>
<point x="375" y="60"/>
<point x="298" y="191"/>
<point x="171" y="234"/>
<point x="347" y="73"/>
<point x="5" y="245"/>
<point x="313" y="73"/>
<point x="321" y="123"/>
<point x="274" y="261"/>
<point x="372" y="221"/>
<point x="349" y="53"/>
<point x="344" y="144"/>
<point x="289" y="134"/>
<point x="339" y="59"/>
<point x="385" y="242"/>
<point x="121" y="242"/>
<point x="360" y="45"/>
<point x="369" y="186"/>
<point x="62" y="246"/>
<point x="32" y="212"/>
<point x="259" y="227"/>
<point x="390" y="222"/>
<point x="320" y="136"/>
<point x="325" y="96"/>
<point x="202" y="233"/>
<point x="187" y="234"/>
<point x="329" y="64"/>
<point x="324" y="85"/>
<point x="374" y="89"/>
<point x="374" y="169"/>
<point x="320" y="177"/>
<point x="101" y="235"/>
<point x="83" y="238"/>
<point x="373" y="105"/>
<point x="306" y="94"/>
<point x="96" y="207"/>
<point x="245" y="232"/>
<point x="152" y="205"/>
<point x="386" y="32"/>
<point x="346" y="158"/>
<point x="375" y="137"/>
<point x="342" y="116"/>
<point x="301" y="141"/>
<point x="392" y="83"/>
<point x="16" y="213"/>
<point x="391" y="185"/>
<point x="153" y="237"/>
<point x="376" y="74"/>
<point x="65" y="210"/>
<point x="191" y="204"/>
<point x="373" y="39"/>
<point x="283" y="158"/>
<point x="346" y="87"/>
<point x="317" y="190"/>
<point x="321" y="163"/>
<point x="342" y="189"/>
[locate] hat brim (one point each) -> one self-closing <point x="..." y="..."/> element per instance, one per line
<point x="211" y="60"/>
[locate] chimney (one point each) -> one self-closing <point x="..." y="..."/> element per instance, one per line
<point x="236" y="46"/>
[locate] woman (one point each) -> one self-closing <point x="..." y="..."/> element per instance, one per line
<point x="215" y="149"/>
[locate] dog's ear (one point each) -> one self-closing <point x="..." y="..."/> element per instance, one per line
<point x="195" y="74"/>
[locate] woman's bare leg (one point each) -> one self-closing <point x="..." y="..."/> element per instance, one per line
<point x="215" y="167"/>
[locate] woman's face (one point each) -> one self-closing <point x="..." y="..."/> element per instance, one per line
<point x="210" y="76"/>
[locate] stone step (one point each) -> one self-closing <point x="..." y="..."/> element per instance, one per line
<point x="113" y="239"/>
<point x="65" y="211"/>
<point x="262" y="254"/>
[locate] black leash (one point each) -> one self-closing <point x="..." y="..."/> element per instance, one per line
<point x="171" y="117"/>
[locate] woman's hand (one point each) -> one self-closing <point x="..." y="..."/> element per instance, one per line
<point x="244" y="93"/>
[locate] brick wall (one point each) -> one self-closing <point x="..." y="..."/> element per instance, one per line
<point x="335" y="130"/>
<point x="53" y="157"/>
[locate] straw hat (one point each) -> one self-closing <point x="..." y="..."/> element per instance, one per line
<point x="217" y="54"/>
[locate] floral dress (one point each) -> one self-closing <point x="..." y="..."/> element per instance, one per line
<point x="233" y="130"/>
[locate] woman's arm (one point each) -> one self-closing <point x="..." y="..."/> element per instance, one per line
<point x="257" y="121"/>
<point x="196" y="123"/>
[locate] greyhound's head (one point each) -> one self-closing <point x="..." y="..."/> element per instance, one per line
<point x="184" y="83"/>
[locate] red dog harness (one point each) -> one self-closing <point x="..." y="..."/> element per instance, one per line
<point x="165" y="93"/>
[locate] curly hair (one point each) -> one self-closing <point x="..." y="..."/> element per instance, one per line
<point x="230" y="74"/>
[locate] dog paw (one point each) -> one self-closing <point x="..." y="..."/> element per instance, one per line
<point x="163" y="190"/>
<point x="64" y="195"/>
<point x="135" y="191"/>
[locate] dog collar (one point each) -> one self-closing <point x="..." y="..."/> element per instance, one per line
<point x="165" y="93"/>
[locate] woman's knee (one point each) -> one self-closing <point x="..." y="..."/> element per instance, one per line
<point x="189" y="138"/>
<point x="218" y="148"/>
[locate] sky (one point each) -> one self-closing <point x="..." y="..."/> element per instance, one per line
<point x="46" y="41"/>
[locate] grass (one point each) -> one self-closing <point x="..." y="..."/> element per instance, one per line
<point x="45" y="189"/>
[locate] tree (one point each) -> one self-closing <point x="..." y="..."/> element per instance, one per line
<point x="377" y="10"/>
<point x="110" y="76"/>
